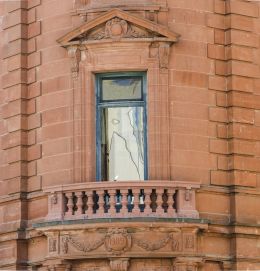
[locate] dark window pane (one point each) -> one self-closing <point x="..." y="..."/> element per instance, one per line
<point x="122" y="89"/>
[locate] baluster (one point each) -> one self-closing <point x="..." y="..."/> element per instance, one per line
<point x="124" y="209"/>
<point x="90" y="203"/>
<point x="79" y="203"/>
<point x="70" y="203"/>
<point x="112" y="209"/>
<point x="101" y="202"/>
<point x="135" y="210"/>
<point x="148" y="201"/>
<point x="159" y="209"/>
<point x="171" y="212"/>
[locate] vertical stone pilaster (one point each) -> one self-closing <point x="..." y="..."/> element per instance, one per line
<point x="18" y="174"/>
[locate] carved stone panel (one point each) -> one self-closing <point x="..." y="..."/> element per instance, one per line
<point x="123" y="242"/>
<point x="118" y="241"/>
<point x="53" y="243"/>
<point x="116" y="29"/>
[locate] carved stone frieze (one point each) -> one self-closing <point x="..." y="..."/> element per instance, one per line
<point x="147" y="245"/>
<point x="123" y="242"/>
<point x="80" y="246"/>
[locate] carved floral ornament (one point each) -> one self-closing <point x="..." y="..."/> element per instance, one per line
<point x="119" y="241"/>
<point x="120" y="26"/>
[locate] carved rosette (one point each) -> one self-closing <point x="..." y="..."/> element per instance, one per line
<point x="118" y="241"/>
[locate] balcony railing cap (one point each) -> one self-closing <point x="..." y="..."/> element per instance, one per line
<point x="152" y="184"/>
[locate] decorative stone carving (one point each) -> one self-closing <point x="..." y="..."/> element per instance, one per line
<point x="84" y="247"/>
<point x="187" y="195"/>
<point x="54" y="199"/>
<point x="117" y="28"/>
<point x="64" y="244"/>
<point x="189" y="241"/>
<point x="74" y="54"/>
<point x="153" y="246"/>
<point x="176" y="242"/>
<point x="116" y="24"/>
<point x="119" y="265"/>
<point x="52" y="244"/>
<point x="164" y="52"/>
<point x="118" y="241"/>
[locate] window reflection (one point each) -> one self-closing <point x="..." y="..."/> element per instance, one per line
<point x="122" y="89"/>
<point x="122" y="143"/>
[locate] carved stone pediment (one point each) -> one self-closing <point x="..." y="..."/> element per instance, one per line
<point x="118" y="25"/>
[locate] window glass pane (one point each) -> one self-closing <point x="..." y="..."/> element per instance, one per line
<point x="129" y="88"/>
<point x="122" y="143"/>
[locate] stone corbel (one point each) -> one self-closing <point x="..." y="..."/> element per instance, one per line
<point x="164" y="53"/>
<point x="121" y="264"/>
<point x="74" y="54"/>
<point x="187" y="264"/>
<point x="161" y="50"/>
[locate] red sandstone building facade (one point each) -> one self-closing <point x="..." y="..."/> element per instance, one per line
<point x="130" y="135"/>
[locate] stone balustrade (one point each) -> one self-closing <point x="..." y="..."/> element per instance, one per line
<point x="166" y="199"/>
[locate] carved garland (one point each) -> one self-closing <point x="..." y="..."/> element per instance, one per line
<point x="85" y="247"/>
<point x="153" y="246"/>
<point x="118" y="241"/>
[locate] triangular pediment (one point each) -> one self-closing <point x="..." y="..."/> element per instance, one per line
<point x="118" y="24"/>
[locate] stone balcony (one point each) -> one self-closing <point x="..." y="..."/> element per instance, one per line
<point x="135" y="199"/>
<point x="117" y="226"/>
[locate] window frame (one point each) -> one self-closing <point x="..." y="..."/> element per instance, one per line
<point x="100" y="104"/>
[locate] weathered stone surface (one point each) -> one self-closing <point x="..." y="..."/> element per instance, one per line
<point x="201" y="58"/>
